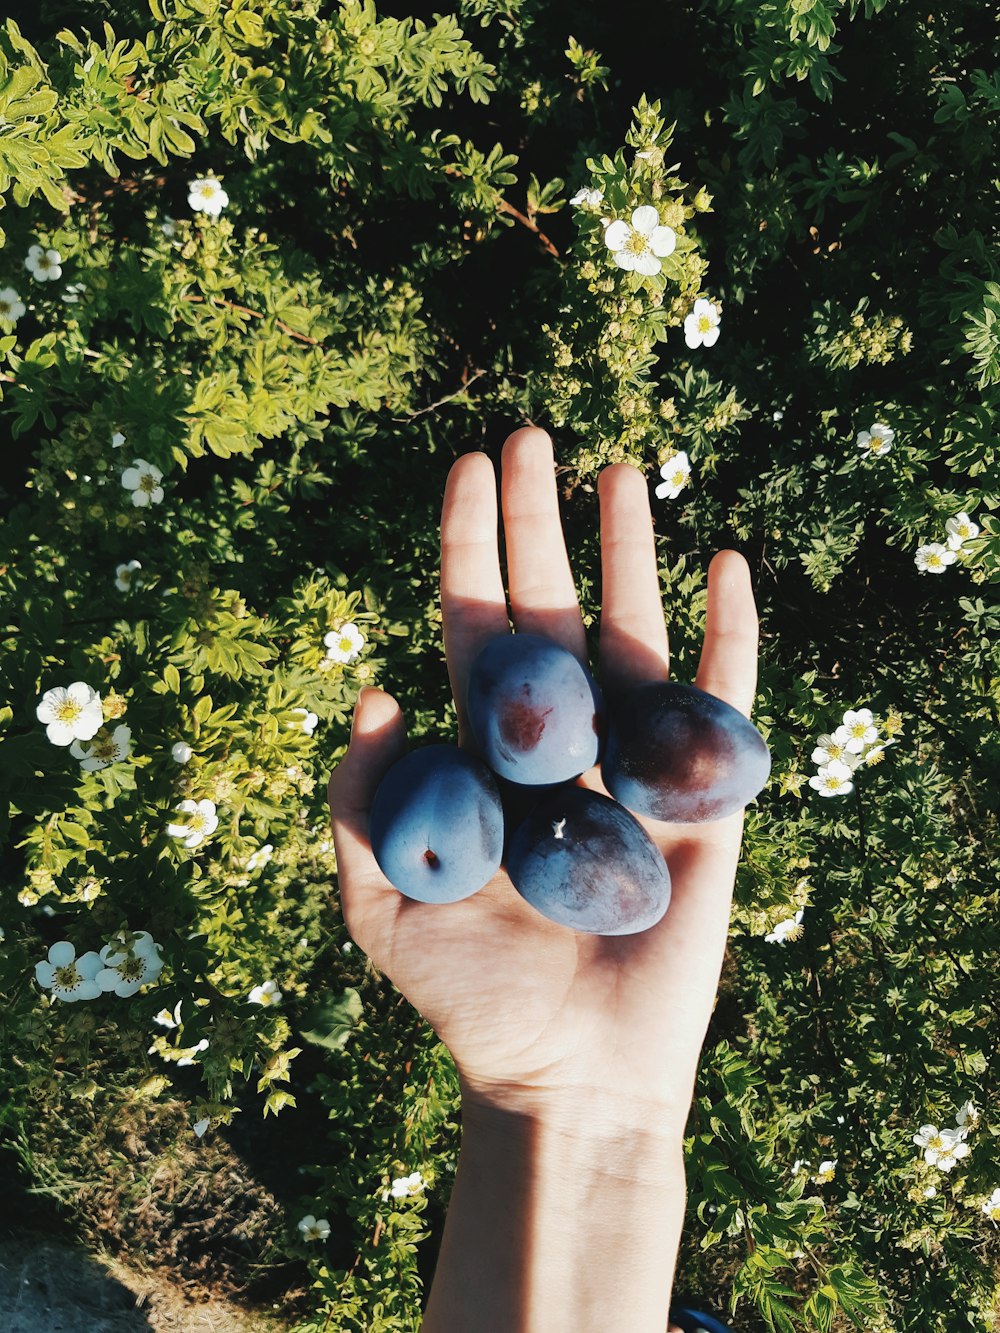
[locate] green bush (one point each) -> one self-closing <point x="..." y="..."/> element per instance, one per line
<point x="401" y="253"/>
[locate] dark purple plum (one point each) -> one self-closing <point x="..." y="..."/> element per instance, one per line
<point x="675" y="753"/>
<point x="436" y="825"/>
<point x="534" y="709"/>
<point x="582" y="860"/>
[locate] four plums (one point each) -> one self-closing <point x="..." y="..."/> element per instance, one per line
<point x="672" y="752"/>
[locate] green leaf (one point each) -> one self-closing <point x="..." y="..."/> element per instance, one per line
<point x="333" y="1019"/>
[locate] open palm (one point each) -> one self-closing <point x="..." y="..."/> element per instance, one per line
<point x="531" y="1010"/>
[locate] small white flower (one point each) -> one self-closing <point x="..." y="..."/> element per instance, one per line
<point x="960" y="530"/>
<point x="167" y="1019"/>
<point x="265" y="995"/>
<point x="955" y="1150"/>
<point x="406" y="1185"/>
<point x="777" y="415"/>
<point x="43" y="265"/>
<point x="861" y="729"/>
<point x="934" y="558"/>
<point x="117" y="440"/>
<point x="70" y="713"/>
<point x="72" y="292"/>
<point x="784" y="928"/>
<point x="701" y="327"/>
<point x="829" y="748"/>
<point x="203" y="821"/>
<point x="967" y="1116"/>
<point x="930" y="1191"/>
<point x="641" y="245"/>
<point x="206" y="195"/>
<point x="200" y="1126"/>
<point x="800" y="1164"/>
<point x="143" y="480"/>
<point x="991" y="1207"/>
<point x="307" y="723"/>
<point x="587" y="196"/>
<point x="191" y="1053"/>
<point x="11" y="306"/>
<point x="942" y="1147"/>
<point x="107" y="747"/>
<point x="124" y="576"/>
<point x="313" y="1228"/>
<point x="126" y="970"/>
<point x="69" y="978"/>
<point x="181" y="752"/>
<point x="260" y="857"/>
<point x="676" y="473"/>
<point x="169" y="227"/>
<point x="347" y="946"/>
<point x="825" y="1172"/>
<point x="930" y="1139"/>
<point x="833" y="779"/>
<point x="344" y="644"/>
<point x="876" y="441"/>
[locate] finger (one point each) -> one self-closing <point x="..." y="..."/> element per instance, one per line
<point x="378" y="739"/>
<point x="634" y="646"/>
<point x="728" y="666"/>
<point x="473" y="603"/>
<point x="539" y="579"/>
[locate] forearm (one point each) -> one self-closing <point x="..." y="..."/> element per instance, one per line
<point x="559" y="1223"/>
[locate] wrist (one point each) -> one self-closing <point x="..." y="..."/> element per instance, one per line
<point x="560" y="1206"/>
<point x="583" y="1114"/>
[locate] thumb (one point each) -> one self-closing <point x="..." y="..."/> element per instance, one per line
<point x="378" y="739"/>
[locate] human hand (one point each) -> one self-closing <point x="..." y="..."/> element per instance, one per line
<point x="540" y="1018"/>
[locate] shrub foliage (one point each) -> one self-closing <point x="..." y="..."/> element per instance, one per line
<point x="401" y="266"/>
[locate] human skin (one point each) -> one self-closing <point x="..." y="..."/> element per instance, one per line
<point x="576" y="1054"/>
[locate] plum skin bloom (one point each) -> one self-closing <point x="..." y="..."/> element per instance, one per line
<point x="639" y="245"/>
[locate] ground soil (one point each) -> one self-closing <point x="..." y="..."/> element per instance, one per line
<point x="48" y="1285"/>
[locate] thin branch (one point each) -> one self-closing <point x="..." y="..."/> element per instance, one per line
<point x="257" y="314"/>
<point x="525" y="221"/>
<point x="446" y="399"/>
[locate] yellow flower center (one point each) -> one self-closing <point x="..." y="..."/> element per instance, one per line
<point x="994" y="1213"/>
<point x="197" y="822"/>
<point x="130" y="969"/>
<point x="68" y="710"/>
<point x="637" y="243"/>
<point x="207" y="189"/>
<point x="147" y="483"/>
<point x="66" y="978"/>
<point x="858" y="729"/>
<point x="934" y="561"/>
<point x="705" y="324"/>
<point x="935" y="1142"/>
<point x="345" y="644"/>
